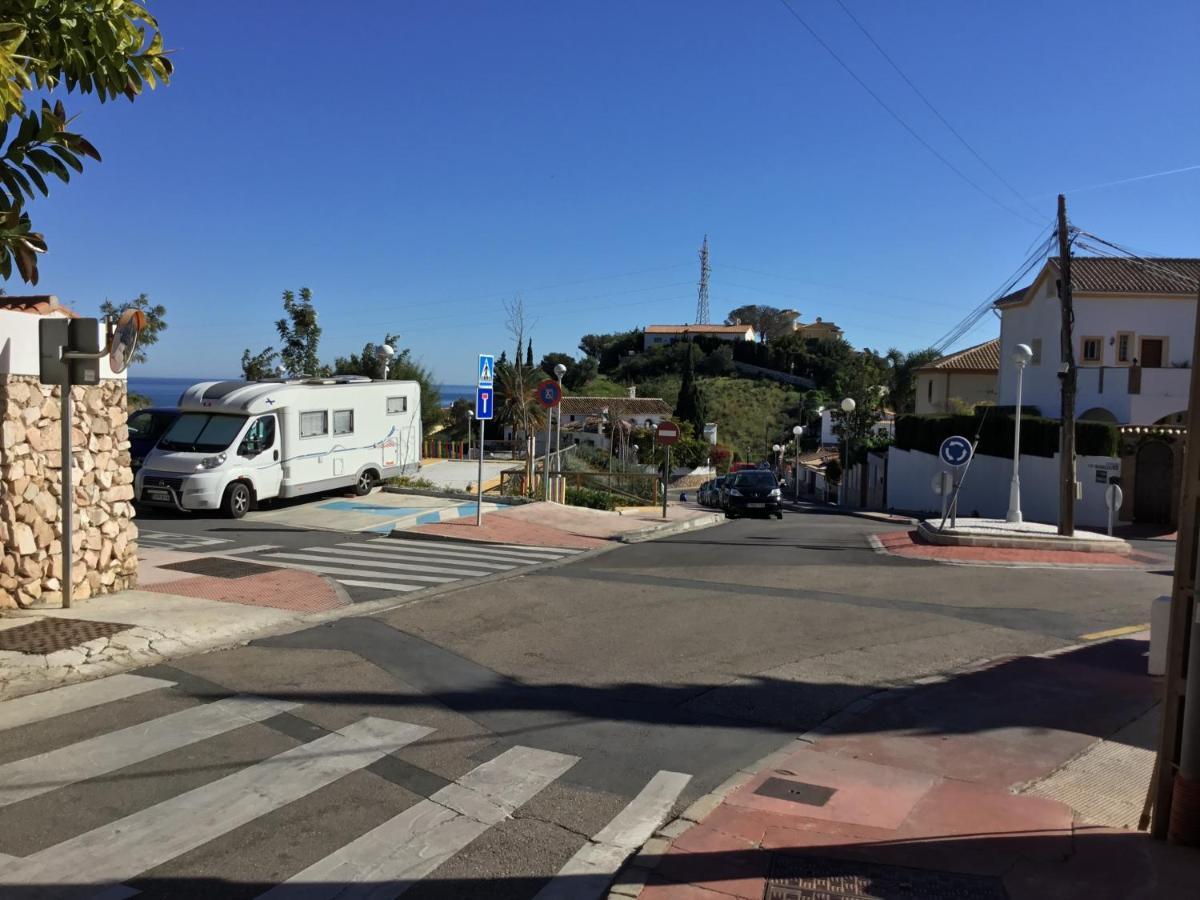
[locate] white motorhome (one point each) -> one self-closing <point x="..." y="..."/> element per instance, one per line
<point x="237" y="443"/>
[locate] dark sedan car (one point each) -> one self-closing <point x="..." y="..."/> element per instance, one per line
<point x="146" y="426"/>
<point x="752" y="492"/>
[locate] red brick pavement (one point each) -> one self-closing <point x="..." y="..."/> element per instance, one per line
<point x="289" y="589"/>
<point x="910" y="545"/>
<point x="500" y="529"/>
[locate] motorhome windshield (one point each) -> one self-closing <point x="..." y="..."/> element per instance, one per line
<point x="202" y="433"/>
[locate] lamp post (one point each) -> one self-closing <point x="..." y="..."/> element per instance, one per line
<point x="1022" y="355"/>
<point x="471" y="433"/>
<point x="777" y="450"/>
<point x="848" y="406"/>
<point x="797" y="431"/>
<point x="385" y="352"/>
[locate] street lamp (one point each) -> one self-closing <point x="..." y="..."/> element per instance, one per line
<point x="848" y="406"/>
<point x="797" y="430"/>
<point x="471" y="434"/>
<point x="559" y="371"/>
<point x="385" y="352"/>
<point x="777" y="449"/>
<point x="1022" y="355"/>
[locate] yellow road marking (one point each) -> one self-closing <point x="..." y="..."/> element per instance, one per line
<point x="1114" y="632"/>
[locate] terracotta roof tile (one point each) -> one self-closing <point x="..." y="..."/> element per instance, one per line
<point x="983" y="357"/>
<point x="1107" y="275"/>
<point x="618" y="407"/>
<point x="36" y="304"/>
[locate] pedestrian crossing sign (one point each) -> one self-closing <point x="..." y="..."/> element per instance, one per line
<point x="487" y="370"/>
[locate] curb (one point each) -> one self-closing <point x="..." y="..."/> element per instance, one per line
<point x="877" y="545"/>
<point x="670" y="528"/>
<point x="1039" y="542"/>
<point x="500" y="499"/>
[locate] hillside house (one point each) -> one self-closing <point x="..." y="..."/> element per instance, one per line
<point x="819" y="330"/>
<point x="966" y="378"/>
<point x="660" y="335"/>
<point x="592" y="420"/>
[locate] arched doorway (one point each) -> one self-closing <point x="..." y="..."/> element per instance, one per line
<point x="1098" y="414"/>
<point x="1152" y="484"/>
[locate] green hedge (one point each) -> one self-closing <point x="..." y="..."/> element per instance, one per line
<point x="1039" y="437"/>
<point x="591" y="498"/>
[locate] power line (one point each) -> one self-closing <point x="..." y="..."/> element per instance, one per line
<point x="933" y="109"/>
<point x="900" y="120"/>
<point x="1107" y="184"/>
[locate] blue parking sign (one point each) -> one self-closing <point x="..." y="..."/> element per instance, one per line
<point x="483" y="403"/>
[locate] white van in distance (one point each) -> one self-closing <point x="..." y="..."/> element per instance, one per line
<point x="237" y="443"/>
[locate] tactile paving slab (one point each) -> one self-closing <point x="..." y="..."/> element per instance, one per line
<point x="52" y="635"/>
<point x="219" y="567"/>
<point x="823" y="878"/>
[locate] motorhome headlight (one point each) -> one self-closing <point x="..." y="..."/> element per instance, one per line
<point x="211" y="462"/>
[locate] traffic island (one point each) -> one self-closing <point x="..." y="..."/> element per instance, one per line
<point x="971" y="532"/>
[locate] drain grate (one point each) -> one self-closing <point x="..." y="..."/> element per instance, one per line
<point x="218" y="567"/>
<point x="51" y="635"/>
<point x="796" y="791"/>
<point x="823" y="878"/>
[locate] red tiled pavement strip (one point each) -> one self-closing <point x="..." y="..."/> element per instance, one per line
<point x="909" y="545"/>
<point x="923" y="780"/>
<point x="289" y="589"/>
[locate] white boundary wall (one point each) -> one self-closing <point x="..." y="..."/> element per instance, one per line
<point x="985" y="491"/>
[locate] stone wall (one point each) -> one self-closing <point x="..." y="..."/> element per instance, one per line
<point x="105" y="537"/>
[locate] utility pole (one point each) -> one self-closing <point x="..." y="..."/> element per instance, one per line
<point x="1066" y="447"/>
<point x="702" y="296"/>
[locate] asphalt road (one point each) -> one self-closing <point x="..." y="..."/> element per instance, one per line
<point x="695" y="655"/>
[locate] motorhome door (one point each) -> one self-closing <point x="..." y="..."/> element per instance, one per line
<point x="259" y="450"/>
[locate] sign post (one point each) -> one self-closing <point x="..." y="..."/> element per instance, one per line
<point x="70" y="354"/>
<point x="956" y="452"/>
<point x="549" y="394"/>
<point x="668" y="433"/>
<point x="484" y="406"/>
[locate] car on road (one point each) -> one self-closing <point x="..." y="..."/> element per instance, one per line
<point x="714" y="493"/>
<point x="146" y="426"/>
<point x="704" y="494"/>
<point x="752" y="492"/>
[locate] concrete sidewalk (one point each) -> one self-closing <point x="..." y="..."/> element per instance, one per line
<point x="965" y="786"/>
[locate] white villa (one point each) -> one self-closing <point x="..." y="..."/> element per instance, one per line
<point x="1133" y="331"/>
<point x="658" y="335"/>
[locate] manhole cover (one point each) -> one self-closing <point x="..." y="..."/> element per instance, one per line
<point x="218" y="567"/>
<point x="49" y="635"/>
<point x="796" y="791"/>
<point x="822" y="878"/>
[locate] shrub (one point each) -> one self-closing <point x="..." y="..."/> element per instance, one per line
<point x="591" y="498"/>
<point x="1039" y="436"/>
<point x="408" y="481"/>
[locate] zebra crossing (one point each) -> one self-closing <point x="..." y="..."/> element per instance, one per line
<point x="398" y="565"/>
<point x="169" y="540"/>
<point x="384" y="861"/>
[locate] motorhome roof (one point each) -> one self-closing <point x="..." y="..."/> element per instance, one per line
<point x="263" y="396"/>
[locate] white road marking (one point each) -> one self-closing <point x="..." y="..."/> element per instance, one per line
<point x="485" y="547"/>
<point x="440" y="549"/>
<point x="46" y="772"/>
<point x="371" y="557"/>
<point x="113" y="853"/>
<point x="74" y="697"/>
<point x="406" y="567"/>
<point x="389" y="859"/>
<point x="589" y="872"/>
<point x="338" y="571"/>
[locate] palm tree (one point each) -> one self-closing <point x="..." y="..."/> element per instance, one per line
<point x="519" y="408"/>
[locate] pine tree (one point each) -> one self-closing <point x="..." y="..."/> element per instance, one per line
<point x="690" y="405"/>
<point x="529" y="353"/>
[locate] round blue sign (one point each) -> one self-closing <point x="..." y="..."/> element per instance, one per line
<point x="549" y="393"/>
<point x="955" y="451"/>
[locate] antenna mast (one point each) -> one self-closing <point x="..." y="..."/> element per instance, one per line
<point x="702" y="296"/>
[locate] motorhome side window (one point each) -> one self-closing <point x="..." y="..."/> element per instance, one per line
<point x="397" y="405"/>
<point x="343" y="421"/>
<point x="260" y="436"/>
<point x="314" y="424"/>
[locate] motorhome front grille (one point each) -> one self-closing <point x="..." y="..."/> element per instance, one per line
<point x="162" y="481"/>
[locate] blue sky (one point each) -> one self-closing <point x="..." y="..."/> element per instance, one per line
<point x="415" y="163"/>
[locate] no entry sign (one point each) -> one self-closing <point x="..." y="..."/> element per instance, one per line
<point x="668" y="432"/>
